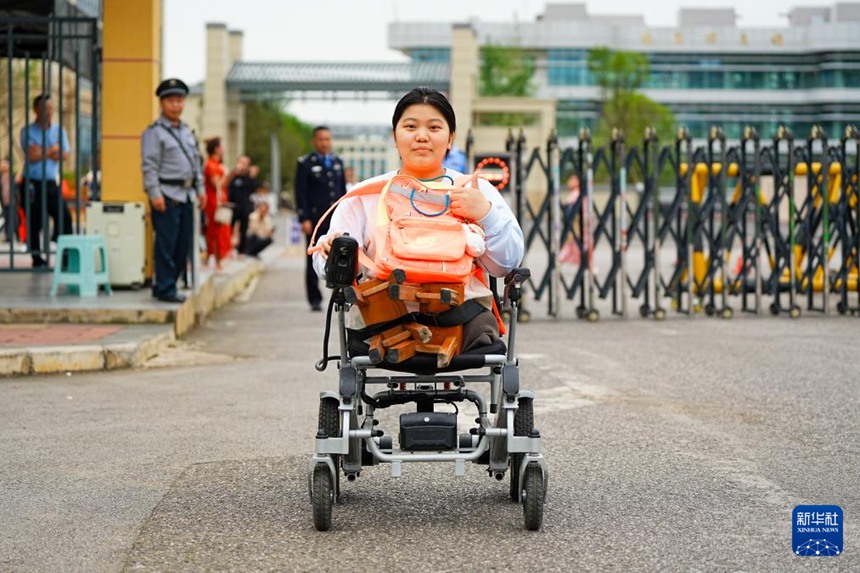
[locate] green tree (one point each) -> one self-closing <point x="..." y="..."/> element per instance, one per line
<point x="264" y="118"/>
<point x="620" y="75"/>
<point x="505" y="72"/>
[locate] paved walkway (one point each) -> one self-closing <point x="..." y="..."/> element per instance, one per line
<point x="15" y="335"/>
<point x="43" y="334"/>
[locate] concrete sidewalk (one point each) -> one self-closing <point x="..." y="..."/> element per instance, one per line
<point x="40" y="334"/>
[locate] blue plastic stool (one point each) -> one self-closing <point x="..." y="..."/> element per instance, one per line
<point x="81" y="264"/>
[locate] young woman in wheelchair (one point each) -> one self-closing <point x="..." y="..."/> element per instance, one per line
<point x="409" y="253"/>
<point x="424" y="130"/>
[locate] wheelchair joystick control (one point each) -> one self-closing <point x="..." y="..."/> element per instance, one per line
<point x="341" y="267"/>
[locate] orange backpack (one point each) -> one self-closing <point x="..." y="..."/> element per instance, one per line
<point x="415" y="232"/>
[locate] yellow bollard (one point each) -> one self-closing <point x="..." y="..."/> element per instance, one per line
<point x="700" y="271"/>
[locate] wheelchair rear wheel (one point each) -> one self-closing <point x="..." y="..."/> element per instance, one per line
<point x="524" y="421"/>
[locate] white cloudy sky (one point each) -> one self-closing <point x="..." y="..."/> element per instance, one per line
<point x="356" y="30"/>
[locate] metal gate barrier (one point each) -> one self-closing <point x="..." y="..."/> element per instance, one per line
<point x="57" y="56"/>
<point x="715" y="228"/>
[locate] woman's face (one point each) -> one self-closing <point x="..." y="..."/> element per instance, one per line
<point x="422" y="137"/>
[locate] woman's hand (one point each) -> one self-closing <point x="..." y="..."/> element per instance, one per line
<point x="326" y="244"/>
<point x="467" y="201"/>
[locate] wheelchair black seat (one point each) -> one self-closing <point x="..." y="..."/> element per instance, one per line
<point x="425" y="364"/>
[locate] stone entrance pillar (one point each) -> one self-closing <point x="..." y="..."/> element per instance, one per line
<point x="464" y="78"/>
<point x="131" y="71"/>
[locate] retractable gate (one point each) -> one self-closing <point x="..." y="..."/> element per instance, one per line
<point x="747" y="225"/>
<point x="59" y="57"/>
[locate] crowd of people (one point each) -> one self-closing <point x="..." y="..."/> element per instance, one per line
<point x="234" y="202"/>
<point x="174" y="174"/>
<point x="237" y="221"/>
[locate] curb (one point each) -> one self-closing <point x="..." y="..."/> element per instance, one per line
<point x="214" y="293"/>
<point x="88" y="357"/>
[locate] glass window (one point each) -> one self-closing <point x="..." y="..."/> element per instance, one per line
<point x="851" y="78"/>
<point x="431" y="55"/>
<point x="568" y="68"/>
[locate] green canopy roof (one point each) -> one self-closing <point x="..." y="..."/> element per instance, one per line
<point x="343" y="76"/>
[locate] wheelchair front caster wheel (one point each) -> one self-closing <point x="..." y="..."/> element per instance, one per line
<point x="534" y="495"/>
<point x="644" y="310"/>
<point x="727" y="313"/>
<point x="580" y="312"/>
<point x="841" y="307"/>
<point x="524" y="316"/>
<point x="593" y="315"/>
<point x="794" y="312"/>
<point x="774" y="309"/>
<point x="524" y="422"/>
<point x="659" y="314"/>
<point x="329" y="422"/>
<point x="710" y="310"/>
<point x="322" y="497"/>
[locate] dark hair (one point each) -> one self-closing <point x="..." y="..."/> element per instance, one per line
<point x="428" y="96"/>
<point x="37" y="101"/>
<point x="212" y="144"/>
<point x="319" y="128"/>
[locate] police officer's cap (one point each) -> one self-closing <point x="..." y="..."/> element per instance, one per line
<point x="171" y="86"/>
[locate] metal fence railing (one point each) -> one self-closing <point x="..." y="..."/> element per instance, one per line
<point x="753" y="225"/>
<point x="58" y="57"/>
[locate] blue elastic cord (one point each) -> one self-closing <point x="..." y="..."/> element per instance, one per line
<point x="414" y="206"/>
<point x="438" y="178"/>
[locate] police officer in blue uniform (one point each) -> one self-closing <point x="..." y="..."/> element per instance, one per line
<point x="320" y="182"/>
<point x="171" y="175"/>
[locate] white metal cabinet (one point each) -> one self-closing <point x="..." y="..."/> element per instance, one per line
<point x="123" y="225"/>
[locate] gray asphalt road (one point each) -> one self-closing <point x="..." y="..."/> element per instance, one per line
<point x="674" y="446"/>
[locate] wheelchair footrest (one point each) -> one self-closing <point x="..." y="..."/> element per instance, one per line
<point x="428" y="431"/>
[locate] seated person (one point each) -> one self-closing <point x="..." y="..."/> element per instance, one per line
<point x="424" y="130"/>
<point x="261" y="230"/>
<point x="261" y="193"/>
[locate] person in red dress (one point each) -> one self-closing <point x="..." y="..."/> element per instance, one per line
<point x="218" y="235"/>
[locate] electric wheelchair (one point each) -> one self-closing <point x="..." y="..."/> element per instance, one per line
<point x="503" y="438"/>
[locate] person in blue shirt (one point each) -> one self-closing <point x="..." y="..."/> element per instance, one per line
<point x="45" y="146"/>
<point x="320" y="181"/>
<point x="456" y="159"/>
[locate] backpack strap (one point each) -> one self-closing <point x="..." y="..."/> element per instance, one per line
<point x="368" y="189"/>
<point x="382" y="217"/>
<point x="372" y="188"/>
<point x="456" y="316"/>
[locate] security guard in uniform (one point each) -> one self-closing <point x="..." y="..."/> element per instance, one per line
<point x="171" y="176"/>
<point x="320" y="181"/>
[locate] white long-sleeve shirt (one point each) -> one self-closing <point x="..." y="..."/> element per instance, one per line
<point x="502" y="233"/>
